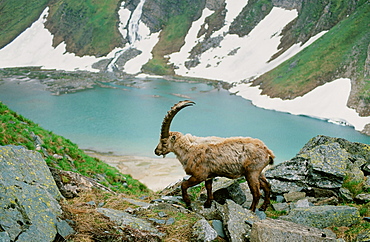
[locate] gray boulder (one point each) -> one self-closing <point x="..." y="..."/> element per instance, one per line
<point x="228" y="189"/>
<point x="203" y="231"/>
<point x="363" y="198"/>
<point x="327" y="164"/>
<point x="324" y="216"/>
<point x="237" y="221"/>
<point x="324" y="163"/>
<point x="280" y="230"/>
<point x="294" y="196"/>
<point x="29" y="197"/>
<point x="125" y="220"/>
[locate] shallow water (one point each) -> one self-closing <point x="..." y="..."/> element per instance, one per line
<point x="126" y="120"/>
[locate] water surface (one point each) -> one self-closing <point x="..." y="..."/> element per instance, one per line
<point x="126" y="120"/>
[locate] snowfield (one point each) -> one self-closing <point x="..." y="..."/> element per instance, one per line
<point x="236" y="59"/>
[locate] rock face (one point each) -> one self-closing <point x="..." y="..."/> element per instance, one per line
<point x="202" y="231"/>
<point x="323" y="163"/>
<point x="125" y="220"/>
<point x="324" y="216"/>
<point x="280" y="230"/>
<point x="29" y="207"/>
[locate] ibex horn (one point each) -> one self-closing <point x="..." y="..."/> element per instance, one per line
<point x="165" y="129"/>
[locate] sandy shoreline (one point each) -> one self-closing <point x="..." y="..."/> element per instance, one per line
<point x="155" y="173"/>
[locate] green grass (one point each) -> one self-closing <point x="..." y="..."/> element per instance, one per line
<point x="171" y="40"/>
<point x="16" y="16"/>
<point x="250" y="16"/>
<point x="323" y="60"/>
<point x="88" y="28"/>
<point x="17" y="130"/>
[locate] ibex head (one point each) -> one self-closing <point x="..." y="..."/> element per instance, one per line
<point x="165" y="139"/>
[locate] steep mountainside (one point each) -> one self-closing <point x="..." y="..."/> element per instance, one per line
<point x="260" y="41"/>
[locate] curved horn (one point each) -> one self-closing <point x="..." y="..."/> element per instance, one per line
<point x="165" y="129"/>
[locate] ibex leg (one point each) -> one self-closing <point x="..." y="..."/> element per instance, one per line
<point x="192" y="181"/>
<point x="254" y="185"/>
<point x="266" y="187"/>
<point x="208" y="185"/>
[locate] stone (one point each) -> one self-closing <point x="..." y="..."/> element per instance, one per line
<point x="366" y="167"/>
<point x="280" y="230"/>
<point x="328" y="165"/>
<point x="4" y="237"/>
<point x="324" y="216"/>
<point x="323" y="163"/>
<point x="260" y="214"/>
<point x="70" y="184"/>
<point x="235" y="219"/>
<point x="29" y="198"/>
<point x="345" y="194"/>
<point x="63" y="228"/>
<point x="280" y="199"/>
<point x="363" y="236"/>
<point x="281" y="207"/>
<point x="282" y="186"/>
<point x="367" y="183"/>
<point x="363" y="198"/>
<point x="218" y="226"/>
<point x="229" y="189"/>
<point x="294" y="196"/>
<point x="303" y="203"/>
<point x="320" y="193"/>
<point x="327" y="201"/>
<point x="170" y="221"/>
<point x="125" y="219"/>
<point x="354" y="174"/>
<point x="203" y="231"/>
<point x="292" y="170"/>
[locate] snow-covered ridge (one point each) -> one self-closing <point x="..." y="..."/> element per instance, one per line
<point x="326" y="102"/>
<point x="249" y="59"/>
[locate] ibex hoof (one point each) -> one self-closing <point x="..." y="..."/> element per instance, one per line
<point x="207" y="204"/>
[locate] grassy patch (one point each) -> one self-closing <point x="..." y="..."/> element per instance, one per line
<point x="87" y="27"/>
<point x="250" y="16"/>
<point x="170" y="40"/>
<point x="350" y="233"/>
<point x="63" y="154"/>
<point x="16" y="16"/>
<point x="355" y="187"/>
<point x="324" y="60"/>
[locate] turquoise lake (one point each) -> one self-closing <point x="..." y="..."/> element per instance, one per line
<point x="126" y="120"/>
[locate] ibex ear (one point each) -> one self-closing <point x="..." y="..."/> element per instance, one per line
<point x="173" y="137"/>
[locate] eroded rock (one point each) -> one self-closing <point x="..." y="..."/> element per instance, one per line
<point x="324" y="216"/>
<point x="29" y="197"/>
<point x="280" y="230"/>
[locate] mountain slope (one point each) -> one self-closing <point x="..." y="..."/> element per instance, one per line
<point x="232" y="41"/>
<point x="342" y="52"/>
<point x="26" y="13"/>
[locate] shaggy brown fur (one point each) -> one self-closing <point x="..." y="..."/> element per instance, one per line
<point x="204" y="158"/>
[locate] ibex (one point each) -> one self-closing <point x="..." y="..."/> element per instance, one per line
<point x="204" y="158"/>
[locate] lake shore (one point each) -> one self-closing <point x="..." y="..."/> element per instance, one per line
<point x="155" y="173"/>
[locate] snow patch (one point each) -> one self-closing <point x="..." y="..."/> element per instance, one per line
<point x="34" y="48"/>
<point x="328" y="102"/>
<point x="252" y="52"/>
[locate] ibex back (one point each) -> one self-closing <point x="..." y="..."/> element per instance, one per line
<point x="204" y="158"/>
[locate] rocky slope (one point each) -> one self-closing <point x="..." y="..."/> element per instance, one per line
<point x="310" y="192"/>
